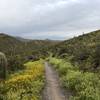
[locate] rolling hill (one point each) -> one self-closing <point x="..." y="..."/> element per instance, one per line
<point x="83" y="50"/>
<point x="11" y="45"/>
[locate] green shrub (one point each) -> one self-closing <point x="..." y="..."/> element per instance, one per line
<point x="55" y="62"/>
<point x="27" y="85"/>
<point x="3" y="66"/>
<point x="64" y="67"/>
<point x="84" y="85"/>
<point x="15" y="63"/>
<point x="71" y="79"/>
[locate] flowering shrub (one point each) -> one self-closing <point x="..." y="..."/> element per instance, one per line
<point x="26" y="85"/>
<point x="84" y="85"/>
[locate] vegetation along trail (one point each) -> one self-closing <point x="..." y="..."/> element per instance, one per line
<point x="52" y="90"/>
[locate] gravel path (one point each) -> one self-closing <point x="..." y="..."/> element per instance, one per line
<point x="52" y="90"/>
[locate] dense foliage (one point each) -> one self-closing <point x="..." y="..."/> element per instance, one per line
<point x="78" y="66"/>
<point x="83" y="85"/>
<point x="13" y="46"/>
<point x="24" y="85"/>
<point x="17" y="50"/>
<point x="3" y="66"/>
<point x="83" y="50"/>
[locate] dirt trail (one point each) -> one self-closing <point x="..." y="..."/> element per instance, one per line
<point x="52" y="90"/>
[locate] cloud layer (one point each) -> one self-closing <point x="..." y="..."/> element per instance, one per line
<point x="54" y="19"/>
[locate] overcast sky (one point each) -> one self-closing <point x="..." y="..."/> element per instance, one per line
<point x="52" y="19"/>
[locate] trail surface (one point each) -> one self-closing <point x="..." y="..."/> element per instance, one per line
<point x="52" y="90"/>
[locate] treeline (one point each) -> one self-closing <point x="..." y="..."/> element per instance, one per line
<point x="83" y="51"/>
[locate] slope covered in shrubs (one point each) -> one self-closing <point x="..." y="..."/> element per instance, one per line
<point x="24" y="85"/>
<point x="12" y="46"/>
<point x="17" y="51"/>
<point x="83" y="85"/>
<point x="83" y="50"/>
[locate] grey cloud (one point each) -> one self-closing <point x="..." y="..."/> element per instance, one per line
<point x="47" y="17"/>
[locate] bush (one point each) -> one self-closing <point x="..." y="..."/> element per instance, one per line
<point x="15" y="63"/>
<point x="26" y="85"/>
<point x="3" y="66"/>
<point x="55" y="61"/>
<point x="71" y="79"/>
<point x="64" y="67"/>
<point x="84" y="85"/>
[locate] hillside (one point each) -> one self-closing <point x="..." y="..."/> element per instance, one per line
<point x="83" y="50"/>
<point x="12" y="45"/>
<point x="76" y="65"/>
<point x="19" y="51"/>
<point x="9" y="44"/>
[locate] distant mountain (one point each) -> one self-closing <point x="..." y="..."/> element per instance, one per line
<point x="22" y="39"/>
